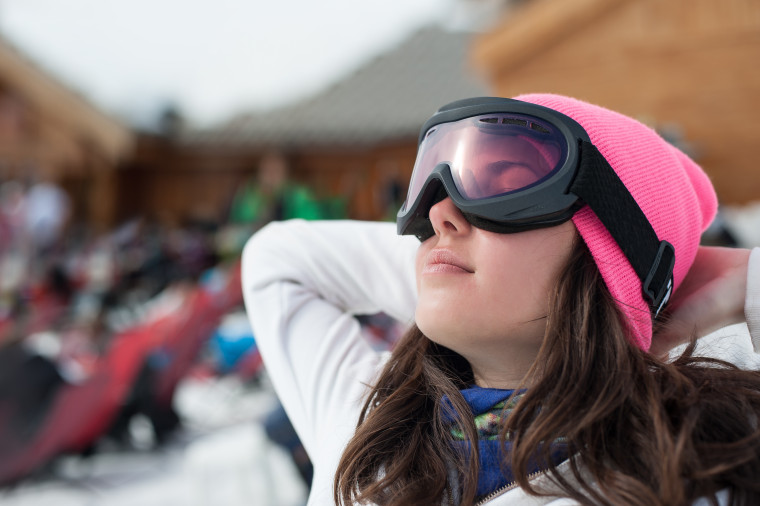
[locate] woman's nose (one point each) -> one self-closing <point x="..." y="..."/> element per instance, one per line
<point x="447" y="218"/>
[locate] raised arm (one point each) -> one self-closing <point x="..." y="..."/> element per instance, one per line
<point x="302" y="283"/>
<point x="721" y="289"/>
<point x="752" y="304"/>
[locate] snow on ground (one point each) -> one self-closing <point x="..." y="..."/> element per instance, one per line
<point x="221" y="457"/>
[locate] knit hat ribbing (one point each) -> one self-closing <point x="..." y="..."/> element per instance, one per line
<point x="673" y="192"/>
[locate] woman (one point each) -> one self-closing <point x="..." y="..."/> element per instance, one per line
<point x="554" y="234"/>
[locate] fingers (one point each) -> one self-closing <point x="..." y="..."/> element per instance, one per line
<point x="711" y="296"/>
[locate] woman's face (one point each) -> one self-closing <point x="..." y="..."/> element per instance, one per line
<point x="485" y="294"/>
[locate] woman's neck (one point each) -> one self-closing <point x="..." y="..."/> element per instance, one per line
<point x="493" y="372"/>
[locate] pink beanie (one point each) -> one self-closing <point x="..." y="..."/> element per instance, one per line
<point x="673" y="192"/>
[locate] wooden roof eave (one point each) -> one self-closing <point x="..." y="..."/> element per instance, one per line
<point x="59" y="104"/>
<point x="533" y="28"/>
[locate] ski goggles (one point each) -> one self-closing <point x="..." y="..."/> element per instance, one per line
<point x="511" y="166"/>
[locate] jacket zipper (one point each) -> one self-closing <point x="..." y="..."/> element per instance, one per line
<point x="506" y="488"/>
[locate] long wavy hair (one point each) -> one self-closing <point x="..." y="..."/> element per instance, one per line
<point x="642" y="430"/>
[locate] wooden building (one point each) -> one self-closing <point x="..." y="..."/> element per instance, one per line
<point x="689" y="64"/>
<point x="686" y="67"/>
<point x="47" y="131"/>
<point x="352" y="140"/>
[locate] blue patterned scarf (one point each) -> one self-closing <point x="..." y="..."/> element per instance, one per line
<point x="489" y="406"/>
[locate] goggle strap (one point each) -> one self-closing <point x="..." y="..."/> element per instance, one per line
<point x="653" y="260"/>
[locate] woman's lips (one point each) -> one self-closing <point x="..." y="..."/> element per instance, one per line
<point x="443" y="260"/>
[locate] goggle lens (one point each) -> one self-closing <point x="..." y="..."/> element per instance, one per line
<point x="490" y="155"/>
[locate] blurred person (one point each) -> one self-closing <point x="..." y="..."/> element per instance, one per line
<point x="14" y="263"/>
<point x="389" y="194"/>
<point x="555" y="268"/>
<point x="12" y="215"/>
<point x="271" y="195"/>
<point x="193" y="248"/>
<point x="29" y="381"/>
<point x="47" y="210"/>
<point x="14" y="276"/>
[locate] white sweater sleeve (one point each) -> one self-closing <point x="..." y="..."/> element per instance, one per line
<point x="752" y="302"/>
<point x="302" y="282"/>
<point x="739" y="343"/>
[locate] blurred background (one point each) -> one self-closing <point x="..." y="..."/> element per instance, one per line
<point x="142" y="142"/>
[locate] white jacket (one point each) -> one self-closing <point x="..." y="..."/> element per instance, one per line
<point x="304" y="281"/>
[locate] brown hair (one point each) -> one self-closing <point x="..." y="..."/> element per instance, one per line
<point x="642" y="431"/>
